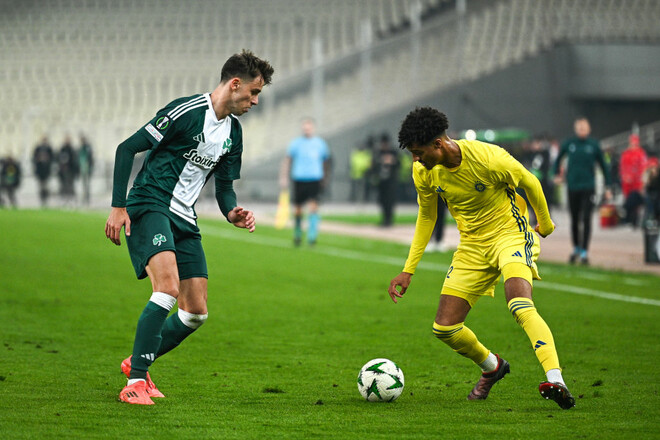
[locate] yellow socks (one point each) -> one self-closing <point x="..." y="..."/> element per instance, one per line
<point x="537" y="330"/>
<point x="462" y="340"/>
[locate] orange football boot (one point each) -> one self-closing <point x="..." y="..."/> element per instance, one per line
<point x="151" y="387"/>
<point x="136" y="394"/>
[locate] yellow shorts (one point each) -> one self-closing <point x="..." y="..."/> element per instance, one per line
<point x="477" y="263"/>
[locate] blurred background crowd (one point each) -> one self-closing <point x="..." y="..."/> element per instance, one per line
<point x="79" y="76"/>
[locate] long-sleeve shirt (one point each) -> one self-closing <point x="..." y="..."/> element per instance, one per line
<point x="583" y="154"/>
<point x="186" y="144"/>
<point x="479" y="193"/>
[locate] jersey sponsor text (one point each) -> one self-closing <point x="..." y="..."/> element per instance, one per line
<point x="203" y="161"/>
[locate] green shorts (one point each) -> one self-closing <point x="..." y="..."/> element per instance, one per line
<point x="154" y="230"/>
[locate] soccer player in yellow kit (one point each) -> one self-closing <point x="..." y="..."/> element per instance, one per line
<point x="477" y="181"/>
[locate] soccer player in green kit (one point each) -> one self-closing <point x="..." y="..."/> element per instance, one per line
<point x="188" y="141"/>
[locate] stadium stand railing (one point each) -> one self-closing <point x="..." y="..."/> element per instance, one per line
<point x="105" y="67"/>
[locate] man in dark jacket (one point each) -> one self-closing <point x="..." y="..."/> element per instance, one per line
<point x="583" y="153"/>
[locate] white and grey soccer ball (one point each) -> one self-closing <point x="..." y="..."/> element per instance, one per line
<point x="380" y="380"/>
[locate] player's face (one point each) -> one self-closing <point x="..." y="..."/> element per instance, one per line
<point x="308" y="128"/>
<point x="582" y="128"/>
<point x="428" y="155"/>
<point x="245" y="94"/>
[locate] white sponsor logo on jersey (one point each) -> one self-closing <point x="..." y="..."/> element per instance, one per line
<point x="199" y="160"/>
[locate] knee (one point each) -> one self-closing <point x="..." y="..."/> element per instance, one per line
<point x="192" y="320"/>
<point x="169" y="285"/>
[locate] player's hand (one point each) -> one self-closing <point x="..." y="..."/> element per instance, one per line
<point x="608" y="195"/>
<point x="558" y="179"/>
<point x="118" y="217"/>
<point x="544" y="233"/>
<point x="402" y="280"/>
<point x="242" y="218"/>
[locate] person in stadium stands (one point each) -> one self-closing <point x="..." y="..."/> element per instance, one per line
<point x="583" y="153"/>
<point x="631" y="169"/>
<point x="307" y="164"/>
<point x="42" y="160"/>
<point x="477" y="181"/>
<point x="188" y="140"/>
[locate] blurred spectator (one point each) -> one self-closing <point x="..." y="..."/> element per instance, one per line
<point x="371" y="179"/>
<point x="537" y="161"/>
<point x="67" y="171"/>
<point x="386" y="169"/>
<point x="10" y="179"/>
<point x="555" y="198"/>
<point x="613" y="159"/>
<point x="307" y="163"/>
<point x="42" y="159"/>
<point x="86" y="166"/>
<point x="652" y="187"/>
<point x="631" y="169"/>
<point x="583" y="154"/>
<point x="541" y="167"/>
<point x="407" y="191"/>
<point x="361" y="158"/>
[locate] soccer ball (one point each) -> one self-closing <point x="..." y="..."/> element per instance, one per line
<point x="380" y="380"/>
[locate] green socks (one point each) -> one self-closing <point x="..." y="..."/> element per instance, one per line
<point x="148" y="333"/>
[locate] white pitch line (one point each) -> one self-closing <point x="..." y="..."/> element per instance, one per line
<point x="607" y="295"/>
<point x="594" y="276"/>
<point x="632" y="282"/>
<point x="359" y="256"/>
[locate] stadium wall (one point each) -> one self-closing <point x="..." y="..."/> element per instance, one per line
<point x="612" y="84"/>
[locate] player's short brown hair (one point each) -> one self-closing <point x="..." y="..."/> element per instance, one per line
<point x="246" y="65"/>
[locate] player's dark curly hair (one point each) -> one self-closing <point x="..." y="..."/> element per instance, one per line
<point x="421" y="126"/>
<point x="246" y="65"/>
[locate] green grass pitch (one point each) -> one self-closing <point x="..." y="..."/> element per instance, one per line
<point x="288" y="331"/>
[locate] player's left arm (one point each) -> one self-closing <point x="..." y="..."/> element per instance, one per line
<point x="228" y="170"/>
<point x="327" y="166"/>
<point x="536" y="198"/>
<point x="508" y="170"/>
<point x="327" y="169"/>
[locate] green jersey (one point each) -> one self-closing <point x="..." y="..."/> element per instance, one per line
<point x="583" y="154"/>
<point x="188" y="145"/>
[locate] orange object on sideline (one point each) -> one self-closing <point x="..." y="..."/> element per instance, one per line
<point x="608" y="216"/>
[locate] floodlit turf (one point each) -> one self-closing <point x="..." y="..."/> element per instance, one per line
<point x="375" y="219"/>
<point x="370" y="219"/>
<point x="288" y="331"/>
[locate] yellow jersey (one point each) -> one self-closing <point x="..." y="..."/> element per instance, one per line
<point x="479" y="193"/>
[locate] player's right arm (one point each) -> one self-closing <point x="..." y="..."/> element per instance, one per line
<point x="124" y="156"/>
<point x="427" y="215"/>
